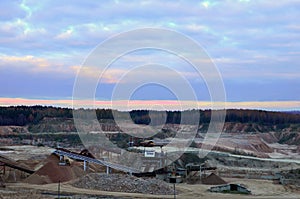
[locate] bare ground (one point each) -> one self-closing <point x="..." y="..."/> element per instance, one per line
<point x="259" y="188"/>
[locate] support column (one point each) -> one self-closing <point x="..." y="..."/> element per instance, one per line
<point x="61" y="158"/>
<point x="107" y="170"/>
<point x="85" y="165"/>
<point x="200" y="173"/>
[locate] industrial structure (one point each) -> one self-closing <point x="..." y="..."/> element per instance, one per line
<point x="6" y="162"/>
<point x="230" y="188"/>
<point x="86" y="160"/>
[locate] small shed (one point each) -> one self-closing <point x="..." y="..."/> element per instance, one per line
<point x="230" y="188"/>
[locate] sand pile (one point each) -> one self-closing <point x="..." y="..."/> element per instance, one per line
<point x="213" y="179"/>
<point x="51" y="172"/>
<point x="123" y="183"/>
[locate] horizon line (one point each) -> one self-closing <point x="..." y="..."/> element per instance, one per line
<point x="154" y="104"/>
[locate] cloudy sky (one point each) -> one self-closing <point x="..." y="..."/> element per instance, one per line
<point x="255" y="45"/>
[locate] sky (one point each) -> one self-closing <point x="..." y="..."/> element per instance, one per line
<point x="255" y="44"/>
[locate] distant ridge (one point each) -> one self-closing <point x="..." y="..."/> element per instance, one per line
<point x="293" y="112"/>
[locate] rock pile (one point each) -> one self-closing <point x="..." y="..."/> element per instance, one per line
<point x="123" y="183"/>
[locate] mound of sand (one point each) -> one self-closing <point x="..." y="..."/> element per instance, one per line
<point x="213" y="179"/>
<point x="51" y="172"/>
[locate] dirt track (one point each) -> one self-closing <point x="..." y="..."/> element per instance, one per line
<point x="259" y="188"/>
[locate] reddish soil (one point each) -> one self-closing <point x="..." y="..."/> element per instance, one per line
<point x="51" y="172"/>
<point x="213" y="179"/>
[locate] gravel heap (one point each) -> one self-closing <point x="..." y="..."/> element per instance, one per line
<point x="123" y="183"/>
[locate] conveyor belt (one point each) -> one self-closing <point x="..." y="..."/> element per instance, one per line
<point x="15" y="165"/>
<point x="96" y="161"/>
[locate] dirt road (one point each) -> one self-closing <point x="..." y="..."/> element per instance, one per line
<point x="260" y="189"/>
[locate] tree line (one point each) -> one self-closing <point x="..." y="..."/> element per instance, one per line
<point x="25" y="115"/>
